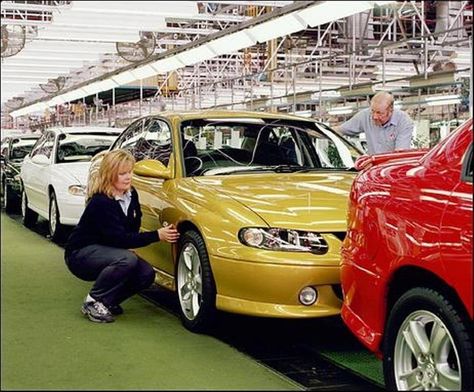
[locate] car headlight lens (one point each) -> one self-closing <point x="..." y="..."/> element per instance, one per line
<point x="283" y="240"/>
<point x="77" y="190"/>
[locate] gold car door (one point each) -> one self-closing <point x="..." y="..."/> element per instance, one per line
<point x="154" y="193"/>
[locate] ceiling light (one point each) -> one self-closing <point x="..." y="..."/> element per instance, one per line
<point x="91" y="89"/>
<point x="383" y="3"/>
<point x="278" y="27"/>
<point x="167" y="64"/>
<point x="329" y="11"/>
<point x="138" y="7"/>
<point x="441" y="97"/>
<point x="196" y="55"/>
<point x="232" y="42"/>
<point x="72" y="95"/>
<point x="57" y="100"/>
<point x="107" y="84"/>
<point x="452" y="101"/>
<point x="443" y="100"/>
<point x="124" y="78"/>
<point x="341" y="110"/>
<point x="144" y="72"/>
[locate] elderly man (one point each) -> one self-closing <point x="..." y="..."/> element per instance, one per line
<point x="386" y="128"/>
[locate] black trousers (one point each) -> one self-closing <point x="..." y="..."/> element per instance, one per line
<point x="118" y="273"/>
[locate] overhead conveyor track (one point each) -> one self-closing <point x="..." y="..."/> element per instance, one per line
<point x="382" y="47"/>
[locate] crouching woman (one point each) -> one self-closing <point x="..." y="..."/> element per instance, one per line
<point x="100" y="247"/>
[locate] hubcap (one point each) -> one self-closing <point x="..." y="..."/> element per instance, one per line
<point x="425" y="355"/>
<point x="5" y="196"/>
<point x="189" y="281"/>
<point x="53" y="217"/>
<point x="23" y="204"/>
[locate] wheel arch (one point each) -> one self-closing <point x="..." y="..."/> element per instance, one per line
<point x="410" y="277"/>
<point x="183" y="227"/>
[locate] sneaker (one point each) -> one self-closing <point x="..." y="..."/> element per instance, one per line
<point x="97" y="312"/>
<point x="115" y="309"/>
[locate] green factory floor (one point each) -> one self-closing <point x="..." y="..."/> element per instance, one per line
<point x="46" y="343"/>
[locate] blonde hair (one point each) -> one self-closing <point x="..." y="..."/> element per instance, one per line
<point x="103" y="177"/>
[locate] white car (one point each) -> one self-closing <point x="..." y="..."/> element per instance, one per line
<point x="54" y="175"/>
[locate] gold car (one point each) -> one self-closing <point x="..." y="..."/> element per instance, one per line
<point x="260" y="201"/>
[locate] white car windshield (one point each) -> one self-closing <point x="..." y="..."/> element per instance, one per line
<point x="82" y="146"/>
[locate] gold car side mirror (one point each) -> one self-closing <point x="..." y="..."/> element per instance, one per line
<point x="152" y="168"/>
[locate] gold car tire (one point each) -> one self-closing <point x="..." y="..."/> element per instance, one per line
<point x="195" y="283"/>
<point x="430" y="323"/>
<point x="28" y="216"/>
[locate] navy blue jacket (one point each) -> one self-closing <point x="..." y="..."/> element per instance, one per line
<point x="104" y="223"/>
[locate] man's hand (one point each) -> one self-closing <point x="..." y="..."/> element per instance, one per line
<point x="168" y="233"/>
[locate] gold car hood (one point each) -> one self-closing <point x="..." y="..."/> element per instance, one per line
<point x="302" y="201"/>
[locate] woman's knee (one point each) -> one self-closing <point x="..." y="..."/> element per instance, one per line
<point x="127" y="258"/>
<point x="147" y="274"/>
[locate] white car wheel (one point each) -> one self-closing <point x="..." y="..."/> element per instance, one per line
<point x="56" y="229"/>
<point x="29" y="217"/>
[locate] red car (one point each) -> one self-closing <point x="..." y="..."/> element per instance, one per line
<point x="407" y="267"/>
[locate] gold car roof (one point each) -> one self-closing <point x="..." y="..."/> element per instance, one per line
<point x="228" y="114"/>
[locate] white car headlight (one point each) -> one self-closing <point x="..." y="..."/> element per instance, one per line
<point x="77" y="190"/>
<point x="283" y="239"/>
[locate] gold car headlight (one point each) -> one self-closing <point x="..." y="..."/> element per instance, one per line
<point x="77" y="190"/>
<point x="283" y="240"/>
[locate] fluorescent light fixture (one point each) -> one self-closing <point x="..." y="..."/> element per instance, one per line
<point x="107" y="84"/>
<point x="341" y="110"/>
<point x="29" y="82"/>
<point x="444" y="102"/>
<point x="329" y="11"/>
<point x="167" y="64"/>
<point x="144" y="72"/>
<point x="92" y="88"/>
<point x="37" y="107"/>
<point x="43" y="64"/>
<point x="325" y="94"/>
<point x="304" y="113"/>
<point x="196" y="55"/>
<point x="124" y="78"/>
<point x="232" y="42"/>
<point x="72" y="95"/>
<point x="382" y="3"/>
<point x="57" y="100"/>
<point x="46" y="73"/>
<point x="278" y="27"/>
<point x="442" y="97"/>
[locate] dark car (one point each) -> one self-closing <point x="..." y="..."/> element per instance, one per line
<point x="13" y="150"/>
<point x="407" y="268"/>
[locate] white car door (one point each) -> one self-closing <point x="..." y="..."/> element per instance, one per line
<point x="36" y="172"/>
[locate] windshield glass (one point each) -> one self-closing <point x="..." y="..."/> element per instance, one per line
<point x="82" y="146"/>
<point x="21" y="148"/>
<point x="213" y="147"/>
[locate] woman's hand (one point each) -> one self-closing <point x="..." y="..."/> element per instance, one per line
<point x="168" y="233"/>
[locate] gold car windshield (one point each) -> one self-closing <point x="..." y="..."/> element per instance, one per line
<point x="212" y="147"/>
